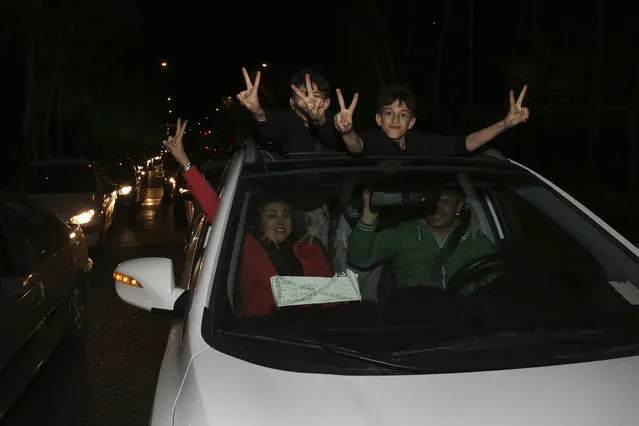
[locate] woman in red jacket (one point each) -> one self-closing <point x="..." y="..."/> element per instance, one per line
<point x="269" y="249"/>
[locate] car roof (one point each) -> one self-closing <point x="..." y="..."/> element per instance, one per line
<point x="257" y="161"/>
<point x="64" y="162"/>
<point x="8" y="194"/>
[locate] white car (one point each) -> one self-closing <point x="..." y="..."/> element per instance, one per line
<point x="78" y="191"/>
<point x="540" y="330"/>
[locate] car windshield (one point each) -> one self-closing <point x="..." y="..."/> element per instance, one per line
<point x="388" y="262"/>
<point x="121" y="173"/>
<point x="56" y="179"/>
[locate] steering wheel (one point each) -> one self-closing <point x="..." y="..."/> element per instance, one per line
<point x="482" y="271"/>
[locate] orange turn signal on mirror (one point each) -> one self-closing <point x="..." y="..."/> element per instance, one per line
<point x="125" y="279"/>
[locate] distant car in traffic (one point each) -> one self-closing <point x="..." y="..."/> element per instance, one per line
<point x="77" y="190"/>
<point x="128" y="182"/>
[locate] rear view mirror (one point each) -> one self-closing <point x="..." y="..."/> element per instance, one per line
<point x="10" y="286"/>
<point x="388" y="200"/>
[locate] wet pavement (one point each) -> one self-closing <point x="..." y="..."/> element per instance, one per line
<point x="110" y="378"/>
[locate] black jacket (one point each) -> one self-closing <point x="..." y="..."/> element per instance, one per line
<point x="286" y="132"/>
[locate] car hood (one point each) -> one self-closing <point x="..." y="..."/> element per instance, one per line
<point x="220" y="389"/>
<point x="66" y="206"/>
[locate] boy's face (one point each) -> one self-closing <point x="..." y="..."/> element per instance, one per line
<point x="395" y="120"/>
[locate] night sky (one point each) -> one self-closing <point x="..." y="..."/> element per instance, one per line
<point x="576" y="56"/>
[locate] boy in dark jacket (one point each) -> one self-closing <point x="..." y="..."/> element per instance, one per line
<point x="396" y="118"/>
<point x="307" y="126"/>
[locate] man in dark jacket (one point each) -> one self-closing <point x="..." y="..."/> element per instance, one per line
<point x="307" y="126"/>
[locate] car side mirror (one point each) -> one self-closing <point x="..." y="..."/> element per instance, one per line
<point x="149" y="283"/>
<point x="10" y="286"/>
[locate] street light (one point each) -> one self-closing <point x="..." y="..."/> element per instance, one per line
<point x="164" y="64"/>
<point x="170" y="111"/>
<point x="168" y="99"/>
<point x="264" y="65"/>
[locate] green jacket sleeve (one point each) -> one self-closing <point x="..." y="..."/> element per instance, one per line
<point x="482" y="245"/>
<point x="367" y="248"/>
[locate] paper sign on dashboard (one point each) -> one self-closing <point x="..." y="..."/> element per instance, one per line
<point x="294" y="291"/>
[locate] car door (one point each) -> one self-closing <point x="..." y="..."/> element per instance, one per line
<point x="48" y="256"/>
<point x="108" y="196"/>
<point x="23" y="308"/>
<point x="64" y="253"/>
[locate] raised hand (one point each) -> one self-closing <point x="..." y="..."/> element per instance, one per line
<point x="344" y="118"/>
<point x="367" y="217"/>
<point x="314" y="106"/>
<point x="517" y="113"/>
<point x="175" y="143"/>
<point x="249" y="97"/>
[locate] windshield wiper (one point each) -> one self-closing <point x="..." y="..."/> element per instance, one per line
<point x="314" y="343"/>
<point x="512" y="339"/>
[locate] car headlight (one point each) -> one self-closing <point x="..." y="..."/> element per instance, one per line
<point x="83" y="218"/>
<point x="125" y="190"/>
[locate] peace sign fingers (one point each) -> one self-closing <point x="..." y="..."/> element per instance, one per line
<point x="342" y="104"/>
<point x="249" y="97"/>
<point x="344" y="118"/>
<point x="247" y="79"/>
<point x="180" y="129"/>
<point x="351" y="108"/>
<point x="298" y="92"/>
<point x="251" y="87"/>
<point x="517" y="113"/>
<point x="340" y="99"/>
<point x="520" y="100"/>
<point x="309" y="86"/>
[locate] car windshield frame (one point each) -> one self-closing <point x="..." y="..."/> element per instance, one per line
<point x="221" y="318"/>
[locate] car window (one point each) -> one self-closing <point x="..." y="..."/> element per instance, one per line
<point x="8" y="256"/>
<point x="194" y="254"/>
<point x="58" y="230"/>
<point x="103" y="178"/>
<point x="450" y="252"/>
<point x="121" y="173"/>
<point x="31" y="231"/>
<point x="551" y="230"/>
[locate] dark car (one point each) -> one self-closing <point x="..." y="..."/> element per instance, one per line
<point x="44" y="265"/>
<point x="128" y="181"/>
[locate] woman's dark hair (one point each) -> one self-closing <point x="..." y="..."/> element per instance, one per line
<point x="299" y="79"/>
<point x="391" y="94"/>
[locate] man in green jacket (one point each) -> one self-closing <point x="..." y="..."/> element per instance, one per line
<point x="413" y="246"/>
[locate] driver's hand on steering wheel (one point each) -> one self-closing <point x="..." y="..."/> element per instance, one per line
<point x="368" y="217"/>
